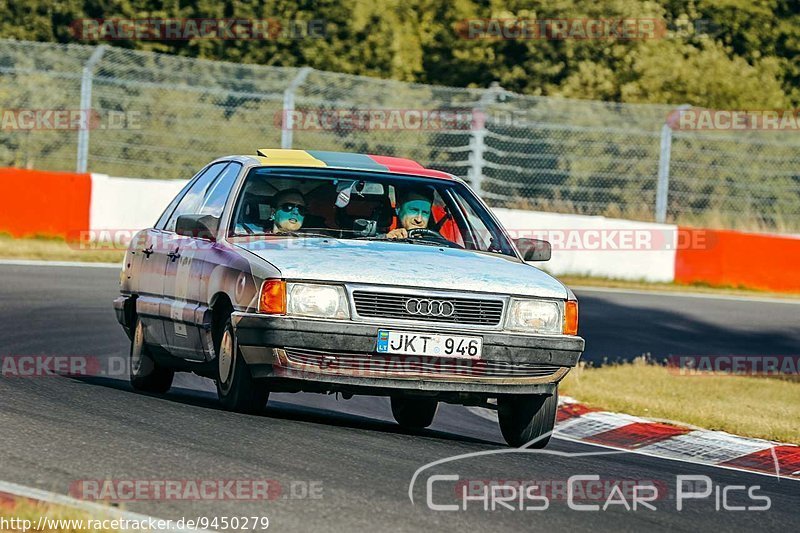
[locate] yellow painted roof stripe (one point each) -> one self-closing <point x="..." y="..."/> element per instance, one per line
<point x="288" y="158"/>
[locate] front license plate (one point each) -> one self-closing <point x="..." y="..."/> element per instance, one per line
<point x="429" y="344"/>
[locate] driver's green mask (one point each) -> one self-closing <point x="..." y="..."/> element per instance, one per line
<point x="415" y="214"/>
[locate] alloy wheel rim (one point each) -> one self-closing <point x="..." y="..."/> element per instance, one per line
<point x="136" y="352"/>
<point x="226" y="358"/>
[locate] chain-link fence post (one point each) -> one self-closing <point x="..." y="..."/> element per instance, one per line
<point x="287" y="122"/>
<point x="662" y="187"/>
<point x="86" y="104"/>
<point x="477" y="144"/>
<point x="476" y="148"/>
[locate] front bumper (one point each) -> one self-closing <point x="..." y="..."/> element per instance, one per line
<point x="344" y="352"/>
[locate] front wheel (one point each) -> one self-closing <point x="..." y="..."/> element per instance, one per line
<point x="414" y="413"/>
<point x="236" y="388"/>
<point x="146" y="375"/>
<point x="525" y="417"/>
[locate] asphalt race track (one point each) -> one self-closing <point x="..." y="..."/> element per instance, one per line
<point x="58" y="430"/>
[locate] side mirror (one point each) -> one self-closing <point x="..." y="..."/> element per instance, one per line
<point x="198" y="226"/>
<point x="534" y="249"/>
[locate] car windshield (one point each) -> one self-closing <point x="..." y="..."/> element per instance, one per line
<point x="291" y="203"/>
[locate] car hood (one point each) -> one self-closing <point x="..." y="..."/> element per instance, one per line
<point x="402" y="264"/>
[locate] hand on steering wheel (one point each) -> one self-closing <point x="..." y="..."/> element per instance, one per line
<point x="424" y="233"/>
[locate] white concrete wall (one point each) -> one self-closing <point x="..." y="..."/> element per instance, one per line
<point x="129" y="203"/>
<point x="578" y="241"/>
<point x="598" y="246"/>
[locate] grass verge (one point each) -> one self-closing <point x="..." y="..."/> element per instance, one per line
<point x="57" y="519"/>
<point x="53" y="249"/>
<point x="748" y="406"/>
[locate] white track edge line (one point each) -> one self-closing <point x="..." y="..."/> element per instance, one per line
<point x="681" y="294"/>
<point x="61" y="499"/>
<point x="36" y="262"/>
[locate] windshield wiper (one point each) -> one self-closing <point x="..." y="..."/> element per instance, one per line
<point x="303" y="234"/>
<point x="284" y="234"/>
<point x="407" y="240"/>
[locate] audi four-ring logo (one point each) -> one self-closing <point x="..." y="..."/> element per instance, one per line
<point x="423" y="307"/>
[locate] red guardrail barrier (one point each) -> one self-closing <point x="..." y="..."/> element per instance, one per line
<point x="36" y="202"/>
<point x="733" y="258"/>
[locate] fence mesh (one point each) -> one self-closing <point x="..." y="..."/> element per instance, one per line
<point x="570" y="156"/>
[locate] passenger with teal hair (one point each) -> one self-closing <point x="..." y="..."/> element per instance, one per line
<point x="289" y="211"/>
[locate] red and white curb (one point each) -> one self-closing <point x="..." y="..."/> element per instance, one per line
<point x="9" y="492"/>
<point x="579" y="423"/>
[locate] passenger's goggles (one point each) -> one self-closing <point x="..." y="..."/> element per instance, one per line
<point x="288" y="208"/>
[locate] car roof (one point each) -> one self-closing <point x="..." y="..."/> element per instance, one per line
<point x="275" y="157"/>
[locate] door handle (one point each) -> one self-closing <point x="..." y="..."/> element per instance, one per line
<point x="148" y="251"/>
<point x="174" y="255"/>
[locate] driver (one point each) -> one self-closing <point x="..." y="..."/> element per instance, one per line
<point x="289" y="212"/>
<point x="413" y="211"/>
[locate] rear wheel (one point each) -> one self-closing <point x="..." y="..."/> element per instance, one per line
<point x="147" y="375"/>
<point x="236" y="388"/>
<point x="414" y="413"/>
<point x="525" y="417"/>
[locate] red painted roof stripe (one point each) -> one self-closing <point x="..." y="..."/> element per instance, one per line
<point x="391" y="162"/>
<point x="400" y="165"/>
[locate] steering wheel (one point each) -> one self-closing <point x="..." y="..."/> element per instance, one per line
<point x="424" y="233"/>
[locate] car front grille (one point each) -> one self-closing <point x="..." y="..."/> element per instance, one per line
<point x="408" y="364"/>
<point x="471" y="311"/>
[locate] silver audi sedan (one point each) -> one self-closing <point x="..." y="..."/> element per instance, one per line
<point x="327" y="272"/>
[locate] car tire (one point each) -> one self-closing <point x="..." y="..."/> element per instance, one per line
<point x="525" y="417"/>
<point x="414" y="413"/>
<point x="236" y="388"/>
<point x="145" y="373"/>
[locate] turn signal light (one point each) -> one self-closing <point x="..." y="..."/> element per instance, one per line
<point x="273" y="297"/>
<point x="571" y="317"/>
